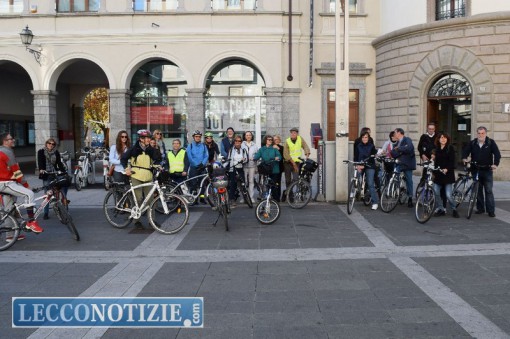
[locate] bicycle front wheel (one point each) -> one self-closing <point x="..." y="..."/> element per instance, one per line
<point x="425" y="205"/>
<point x="389" y="197"/>
<point x="60" y="211"/>
<point x="117" y="209"/>
<point x="78" y="180"/>
<point x="352" y="196"/>
<point x="459" y="188"/>
<point x="9" y="229"/>
<point x="299" y="194"/>
<point x="267" y="211"/>
<point x="419" y="188"/>
<point x="174" y="220"/>
<point x="472" y="199"/>
<point x="224" y="213"/>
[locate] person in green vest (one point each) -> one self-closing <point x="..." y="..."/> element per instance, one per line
<point x="291" y="153"/>
<point x="178" y="162"/>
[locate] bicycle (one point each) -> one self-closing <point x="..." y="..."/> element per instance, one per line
<point x="358" y="189"/>
<point x="217" y="193"/>
<point x="467" y="186"/>
<point x="299" y="193"/>
<point x="168" y="212"/>
<point x="9" y="223"/>
<point x="242" y="189"/>
<point x="395" y="191"/>
<point x="267" y="210"/>
<point x="426" y="200"/>
<point x="181" y="188"/>
<point x="83" y="170"/>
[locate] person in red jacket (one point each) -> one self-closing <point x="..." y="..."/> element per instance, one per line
<point x="12" y="182"/>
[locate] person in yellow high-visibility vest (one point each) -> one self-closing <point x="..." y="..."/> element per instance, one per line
<point x="291" y="153"/>
<point x="178" y="162"/>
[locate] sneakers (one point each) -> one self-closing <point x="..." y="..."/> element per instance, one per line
<point x="440" y="213"/>
<point x="410" y="202"/>
<point x="479" y="212"/>
<point x="46" y="217"/>
<point x="20" y="237"/>
<point x="34" y="226"/>
<point x="455" y="214"/>
<point x="374" y="207"/>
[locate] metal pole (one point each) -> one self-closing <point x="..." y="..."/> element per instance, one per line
<point x="342" y="98"/>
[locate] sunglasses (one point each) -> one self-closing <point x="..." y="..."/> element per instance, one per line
<point x="238" y="141"/>
<point x="50" y="143"/>
<point x="269" y="139"/>
<point x="123" y="136"/>
<point x="9" y="139"/>
<point x="158" y="133"/>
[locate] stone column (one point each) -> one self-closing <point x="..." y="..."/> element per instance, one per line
<point x="274" y="109"/>
<point x="290" y="113"/>
<point x="120" y="114"/>
<point x="45" y="117"/>
<point x="195" y="110"/>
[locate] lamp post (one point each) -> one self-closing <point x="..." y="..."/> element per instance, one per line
<point x="27" y="36"/>
<point x="342" y="98"/>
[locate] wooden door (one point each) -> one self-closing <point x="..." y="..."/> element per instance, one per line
<point x="353" y="115"/>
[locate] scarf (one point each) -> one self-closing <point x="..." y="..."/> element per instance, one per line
<point x="51" y="159"/>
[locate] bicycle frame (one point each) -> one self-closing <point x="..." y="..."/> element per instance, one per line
<point x="137" y="210"/>
<point x="47" y="198"/>
<point x="185" y="192"/>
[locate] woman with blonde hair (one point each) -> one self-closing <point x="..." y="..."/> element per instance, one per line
<point x="158" y="135"/>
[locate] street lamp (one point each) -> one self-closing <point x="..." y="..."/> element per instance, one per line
<point x="27" y="36"/>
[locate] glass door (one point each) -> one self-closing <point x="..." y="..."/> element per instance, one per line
<point x="455" y="119"/>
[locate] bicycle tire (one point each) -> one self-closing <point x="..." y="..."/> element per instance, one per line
<point x="211" y="196"/>
<point x="72" y="227"/>
<point x="267" y="211"/>
<point x="425" y="205"/>
<point x="224" y="213"/>
<point x="78" y="180"/>
<point x="247" y="197"/>
<point x="299" y="194"/>
<point x="8" y="226"/>
<point x="172" y="222"/>
<point x="117" y="218"/>
<point x="472" y="199"/>
<point x="367" y="199"/>
<point x="458" y="191"/>
<point x="389" y="197"/>
<point x="403" y="196"/>
<point x="59" y="208"/>
<point x="352" y="196"/>
<point x="419" y="188"/>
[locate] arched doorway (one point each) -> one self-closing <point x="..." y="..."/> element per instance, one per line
<point x="157" y="100"/>
<point x="235" y="98"/>
<point x="449" y="106"/>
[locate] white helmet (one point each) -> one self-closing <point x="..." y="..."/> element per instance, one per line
<point x="216" y="165"/>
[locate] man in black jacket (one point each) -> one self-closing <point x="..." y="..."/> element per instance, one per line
<point x="425" y="147"/>
<point x="485" y="153"/>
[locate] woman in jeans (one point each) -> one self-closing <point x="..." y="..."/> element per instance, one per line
<point x="444" y="157"/>
<point x="122" y="143"/>
<point x="365" y="150"/>
<point x="250" y="167"/>
<point x="268" y="153"/>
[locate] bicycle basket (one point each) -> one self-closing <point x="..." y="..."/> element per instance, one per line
<point x="62" y="180"/>
<point x="265" y="168"/>
<point x="310" y="165"/>
<point x="219" y="177"/>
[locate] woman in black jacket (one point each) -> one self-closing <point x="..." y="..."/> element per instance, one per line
<point x="444" y="157"/>
<point x="49" y="160"/>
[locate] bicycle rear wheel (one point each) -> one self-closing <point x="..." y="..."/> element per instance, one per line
<point x="267" y="211"/>
<point x="78" y="180"/>
<point x="299" y="194"/>
<point x="367" y="199"/>
<point x="403" y="196"/>
<point x="176" y="218"/>
<point x="117" y="209"/>
<point x="8" y="228"/>
<point x="458" y="191"/>
<point x="389" y="197"/>
<point x="472" y="199"/>
<point x="352" y="196"/>
<point x="224" y="213"/>
<point x="425" y="205"/>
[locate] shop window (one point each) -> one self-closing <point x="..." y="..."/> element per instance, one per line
<point x="448" y="9"/>
<point x="64" y="6"/>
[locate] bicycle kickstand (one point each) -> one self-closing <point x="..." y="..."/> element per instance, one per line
<point x="217" y="218"/>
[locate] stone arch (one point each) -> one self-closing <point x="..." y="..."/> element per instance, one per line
<point x="146" y="57"/>
<point x="448" y="59"/>
<point x="50" y="82"/>
<point x="214" y="61"/>
<point x="36" y="85"/>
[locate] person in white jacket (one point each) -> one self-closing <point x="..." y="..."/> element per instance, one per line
<point x="250" y="167"/>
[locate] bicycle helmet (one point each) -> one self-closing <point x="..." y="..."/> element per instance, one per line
<point x="197" y="132"/>
<point x="216" y="164"/>
<point x="208" y="134"/>
<point x="144" y="133"/>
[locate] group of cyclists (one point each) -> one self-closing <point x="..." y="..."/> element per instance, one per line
<point x="435" y="147"/>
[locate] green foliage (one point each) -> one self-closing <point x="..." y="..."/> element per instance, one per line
<point x="95" y="111"/>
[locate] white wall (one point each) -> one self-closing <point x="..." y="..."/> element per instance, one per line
<point x="397" y="14"/>
<point x="485" y="6"/>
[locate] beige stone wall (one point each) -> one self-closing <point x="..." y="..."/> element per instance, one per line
<point x="409" y="60"/>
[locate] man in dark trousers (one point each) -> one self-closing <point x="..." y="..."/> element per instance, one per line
<point x="425" y="147"/>
<point x="485" y="153"/>
<point x="404" y="151"/>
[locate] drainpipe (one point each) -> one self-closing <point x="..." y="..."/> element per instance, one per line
<point x="290" y="77"/>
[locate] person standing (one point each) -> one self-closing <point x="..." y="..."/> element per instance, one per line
<point x="427" y="144"/>
<point x="404" y="151"/>
<point x="212" y="147"/>
<point x="122" y="144"/>
<point x="250" y="166"/>
<point x="444" y="158"/>
<point x="365" y="151"/>
<point x="269" y="153"/>
<point x="227" y="142"/>
<point x="158" y="136"/>
<point x="198" y="157"/>
<point x="13" y="183"/>
<point x="386" y="151"/>
<point x="277" y="144"/>
<point x="485" y="153"/>
<point x="49" y="160"/>
<point x="291" y="154"/>
<point x="236" y="156"/>
<point x="358" y="140"/>
<point x="140" y="157"/>
<point x="178" y="162"/>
